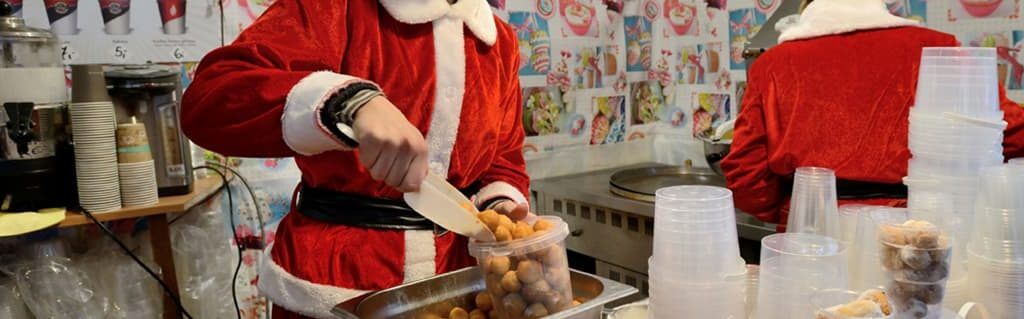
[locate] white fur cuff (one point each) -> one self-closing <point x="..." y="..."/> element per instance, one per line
<point x="302" y="129"/>
<point x="499" y="189"/>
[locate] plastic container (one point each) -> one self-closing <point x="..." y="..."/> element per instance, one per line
<point x="527" y="277"/>
<point x="917" y="264"/>
<point x="814" y="207"/>
<point x="716" y="300"/>
<point x="998" y="284"/>
<point x="960" y="80"/>
<point x="695" y="234"/>
<point x="866" y="259"/>
<point x="795" y="266"/>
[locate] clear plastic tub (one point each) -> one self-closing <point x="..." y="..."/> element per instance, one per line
<point x="793" y="267"/>
<point x="527" y="277"/>
<point x="715" y="300"/>
<point x="693" y="199"/>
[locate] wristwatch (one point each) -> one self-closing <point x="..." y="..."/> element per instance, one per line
<point x="338" y="113"/>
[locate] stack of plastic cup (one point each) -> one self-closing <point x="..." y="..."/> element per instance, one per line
<point x="866" y="266"/>
<point x="795" y="266"/>
<point x="814" y="207"/>
<point x="996" y="249"/>
<point x="956" y="131"/>
<point x="696" y="266"/>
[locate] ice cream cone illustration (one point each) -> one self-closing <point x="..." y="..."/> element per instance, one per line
<point x="540" y="55"/>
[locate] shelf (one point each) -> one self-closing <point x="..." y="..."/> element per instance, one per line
<point x="202" y="189"/>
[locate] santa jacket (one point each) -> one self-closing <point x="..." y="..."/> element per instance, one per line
<point x="451" y="69"/>
<point x="837" y="93"/>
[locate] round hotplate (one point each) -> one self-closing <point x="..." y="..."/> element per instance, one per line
<point x="642" y="183"/>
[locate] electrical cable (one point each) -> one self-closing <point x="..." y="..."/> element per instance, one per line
<point x="234" y="234"/>
<point x="252" y="194"/>
<point x="127" y="251"/>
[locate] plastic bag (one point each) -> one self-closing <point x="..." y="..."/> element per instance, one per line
<point x="53" y="287"/>
<point x="11" y="306"/>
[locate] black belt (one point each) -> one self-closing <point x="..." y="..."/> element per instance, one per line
<point x="847" y="189"/>
<point x="359" y="211"/>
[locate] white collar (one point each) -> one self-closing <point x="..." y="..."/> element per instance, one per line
<point x="828" y="17"/>
<point x="475" y="13"/>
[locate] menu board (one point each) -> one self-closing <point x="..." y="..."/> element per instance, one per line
<point x="126" y="31"/>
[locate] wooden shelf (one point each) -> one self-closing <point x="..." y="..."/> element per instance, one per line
<point x="202" y="190"/>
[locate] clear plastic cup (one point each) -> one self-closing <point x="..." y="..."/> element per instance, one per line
<point x="917" y="264"/>
<point x="866" y="271"/>
<point x="793" y="267"/>
<point x="814" y="207"/>
<point x="998" y="284"/>
<point x="525" y="275"/>
<point x="1002" y="187"/>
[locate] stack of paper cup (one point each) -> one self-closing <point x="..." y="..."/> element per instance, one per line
<point x="956" y="131"/>
<point x="814" y="207"/>
<point x="996" y="248"/>
<point x="136" y="166"/>
<point x="92" y="128"/>
<point x="696" y="268"/>
<point x="795" y="266"/>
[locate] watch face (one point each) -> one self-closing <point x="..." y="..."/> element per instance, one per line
<point x="348" y="134"/>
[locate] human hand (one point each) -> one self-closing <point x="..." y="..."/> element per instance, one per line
<point x="514" y="211"/>
<point x="390" y="147"/>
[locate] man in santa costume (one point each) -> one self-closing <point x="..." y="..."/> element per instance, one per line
<point x="368" y="97"/>
<point x="836" y="93"/>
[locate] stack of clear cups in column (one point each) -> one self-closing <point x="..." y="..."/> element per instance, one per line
<point x="696" y="270"/>
<point x="996" y="249"/>
<point x="795" y="266"/>
<point x="956" y="131"/>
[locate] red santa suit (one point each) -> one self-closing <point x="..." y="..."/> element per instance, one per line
<point x="451" y="69"/>
<point x="835" y="93"/>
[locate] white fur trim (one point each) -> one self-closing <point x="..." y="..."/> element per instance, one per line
<point x="316" y="300"/>
<point x="298" y="295"/>
<point x="420" y="255"/>
<point x="499" y="189"/>
<point x="300" y="123"/>
<point x="476" y="13"/>
<point x="450" y="61"/>
<point x="827" y="17"/>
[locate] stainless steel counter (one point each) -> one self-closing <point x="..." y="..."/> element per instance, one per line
<point x="615" y="231"/>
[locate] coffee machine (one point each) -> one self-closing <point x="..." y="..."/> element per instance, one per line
<point x="150" y="93"/>
<point x="34" y="151"/>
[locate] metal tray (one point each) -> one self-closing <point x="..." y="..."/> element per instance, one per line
<point x="641" y="183"/>
<point x="442" y="292"/>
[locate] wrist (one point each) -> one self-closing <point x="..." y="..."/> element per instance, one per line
<point x="495" y="202"/>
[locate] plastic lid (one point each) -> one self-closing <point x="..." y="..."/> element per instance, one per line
<point x="523" y="245"/>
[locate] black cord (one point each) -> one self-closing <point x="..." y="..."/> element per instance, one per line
<point x="234" y="234"/>
<point x="167" y="290"/>
<point x="255" y="204"/>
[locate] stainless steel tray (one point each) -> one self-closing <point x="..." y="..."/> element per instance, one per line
<point x="458" y="288"/>
<point x="641" y="183"/>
